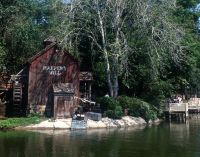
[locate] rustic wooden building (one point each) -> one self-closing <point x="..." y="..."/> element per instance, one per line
<point x="48" y="68"/>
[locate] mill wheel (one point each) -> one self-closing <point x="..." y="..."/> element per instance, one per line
<point x="17" y="99"/>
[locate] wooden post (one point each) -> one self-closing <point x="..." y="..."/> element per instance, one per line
<point x="85" y="94"/>
<point x="55" y="107"/>
<point x="169" y="113"/>
<point x="186" y="111"/>
<point x="90" y="90"/>
<point x="169" y="117"/>
<point x="182" y="118"/>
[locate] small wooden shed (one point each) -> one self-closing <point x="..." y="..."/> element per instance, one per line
<point x="45" y="70"/>
<point x="63" y="100"/>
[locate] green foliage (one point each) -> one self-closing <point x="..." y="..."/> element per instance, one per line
<point x="137" y="107"/>
<point x="2" y="56"/>
<point x="153" y="79"/>
<point x="109" y="113"/>
<point x="15" y="122"/>
<point x="34" y="115"/>
<point x="107" y="103"/>
<point x="23" y="27"/>
<point x="99" y="74"/>
<point x="113" y="108"/>
<point x="110" y="107"/>
<point x="117" y="113"/>
<point x="157" y="54"/>
<point x="188" y="3"/>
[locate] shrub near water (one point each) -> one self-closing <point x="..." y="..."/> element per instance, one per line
<point x="110" y="107"/>
<point x="117" y="113"/>
<point x="107" y="103"/>
<point x="113" y="108"/>
<point x="137" y="107"/>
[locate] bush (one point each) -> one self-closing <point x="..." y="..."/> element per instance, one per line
<point x="107" y="103"/>
<point x="115" y="114"/>
<point x="113" y="108"/>
<point x="118" y="112"/>
<point x="137" y="107"/>
<point x="109" y="113"/>
<point x="110" y="107"/>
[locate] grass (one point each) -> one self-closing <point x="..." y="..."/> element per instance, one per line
<point x="11" y="123"/>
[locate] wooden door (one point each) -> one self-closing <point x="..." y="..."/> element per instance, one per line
<point x="62" y="107"/>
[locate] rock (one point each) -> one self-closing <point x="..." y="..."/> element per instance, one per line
<point x="120" y="123"/>
<point x="43" y="125"/>
<point x="109" y="123"/>
<point x="101" y="124"/>
<point x="93" y="116"/>
<point x="49" y="124"/>
<point x="139" y="120"/>
<point x="156" y="121"/>
<point x="95" y="124"/>
<point x="68" y="121"/>
<point x="150" y="122"/>
<point x="61" y="125"/>
<point x="129" y="121"/>
<point x="126" y="121"/>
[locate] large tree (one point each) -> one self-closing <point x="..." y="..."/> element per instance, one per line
<point x="23" y="25"/>
<point x="147" y="48"/>
<point x="102" y="22"/>
<point x="121" y="29"/>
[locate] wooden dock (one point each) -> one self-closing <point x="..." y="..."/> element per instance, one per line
<point x="182" y="110"/>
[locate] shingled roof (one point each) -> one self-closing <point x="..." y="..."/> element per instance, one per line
<point x="49" y="43"/>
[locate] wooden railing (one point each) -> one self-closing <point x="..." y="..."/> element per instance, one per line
<point x="177" y="107"/>
<point x="192" y="104"/>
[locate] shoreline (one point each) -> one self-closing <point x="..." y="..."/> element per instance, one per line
<point x="107" y="123"/>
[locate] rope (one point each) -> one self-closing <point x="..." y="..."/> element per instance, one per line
<point x="1" y="93"/>
<point x="85" y="100"/>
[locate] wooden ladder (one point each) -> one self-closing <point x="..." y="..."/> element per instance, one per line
<point x="17" y="99"/>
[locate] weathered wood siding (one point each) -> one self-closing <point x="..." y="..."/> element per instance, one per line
<point x="52" y="66"/>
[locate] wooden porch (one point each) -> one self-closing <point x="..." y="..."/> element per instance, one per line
<point x="182" y="110"/>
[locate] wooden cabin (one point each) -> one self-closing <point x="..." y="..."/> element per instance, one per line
<point x="34" y="86"/>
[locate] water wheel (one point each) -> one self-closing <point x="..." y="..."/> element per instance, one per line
<point x="17" y="99"/>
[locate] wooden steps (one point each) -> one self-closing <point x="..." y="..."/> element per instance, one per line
<point x="17" y="99"/>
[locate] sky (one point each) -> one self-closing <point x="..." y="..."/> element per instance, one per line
<point x="66" y="1"/>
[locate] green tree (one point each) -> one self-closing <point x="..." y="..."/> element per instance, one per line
<point x="23" y="25"/>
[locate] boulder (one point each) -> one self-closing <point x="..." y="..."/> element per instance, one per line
<point x="43" y="125"/>
<point x="120" y="123"/>
<point x="58" y="124"/>
<point x="110" y="123"/>
<point x="157" y="121"/>
<point x="139" y="120"/>
<point x="95" y="124"/>
<point x="93" y="116"/>
<point x="129" y="121"/>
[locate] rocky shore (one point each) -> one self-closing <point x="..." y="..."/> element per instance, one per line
<point x="126" y="121"/>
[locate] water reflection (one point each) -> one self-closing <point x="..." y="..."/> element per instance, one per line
<point x="88" y="132"/>
<point x="165" y="140"/>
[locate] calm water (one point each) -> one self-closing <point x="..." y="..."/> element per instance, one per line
<point x="165" y="140"/>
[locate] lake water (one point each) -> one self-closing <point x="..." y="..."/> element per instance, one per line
<point x="164" y="140"/>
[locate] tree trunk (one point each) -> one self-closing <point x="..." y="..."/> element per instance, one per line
<point x="115" y="87"/>
<point x="105" y="52"/>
